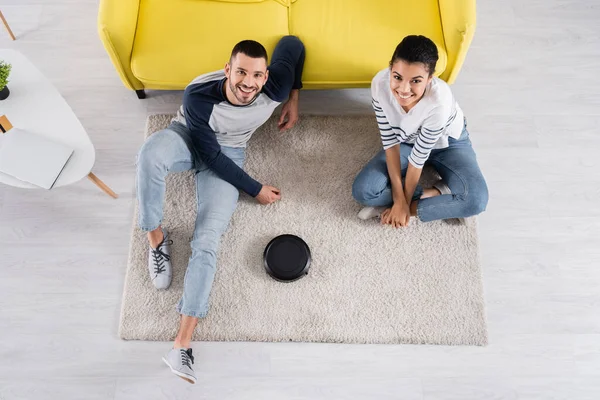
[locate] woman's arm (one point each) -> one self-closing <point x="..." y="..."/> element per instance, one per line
<point x="399" y="214"/>
<point x="392" y="160"/>
<point x="411" y="180"/>
<point x="430" y="132"/>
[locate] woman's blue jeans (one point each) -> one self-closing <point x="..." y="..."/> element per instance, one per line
<point x="456" y="164"/>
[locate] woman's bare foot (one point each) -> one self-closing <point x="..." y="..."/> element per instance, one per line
<point x="432" y="192"/>
<point x="426" y="193"/>
<point x="413" y="208"/>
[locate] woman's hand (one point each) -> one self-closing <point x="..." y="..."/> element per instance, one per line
<point x="397" y="216"/>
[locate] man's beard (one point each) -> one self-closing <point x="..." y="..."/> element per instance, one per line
<point x="235" y="90"/>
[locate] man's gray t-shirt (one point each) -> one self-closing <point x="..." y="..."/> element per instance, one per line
<point x="211" y="121"/>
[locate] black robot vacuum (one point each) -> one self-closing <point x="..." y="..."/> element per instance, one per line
<point x="287" y="258"/>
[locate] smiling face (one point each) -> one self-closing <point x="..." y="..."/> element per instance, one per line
<point x="408" y="82"/>
<point x="246" y="77"/>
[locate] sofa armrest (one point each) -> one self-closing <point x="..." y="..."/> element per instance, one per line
<point x="117" y="23"/>
<point x="458" y="24"/>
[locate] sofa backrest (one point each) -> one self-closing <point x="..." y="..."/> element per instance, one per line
<point x="349" y="41"/>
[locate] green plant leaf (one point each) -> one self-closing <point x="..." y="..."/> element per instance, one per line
<point x="4" y="73"/>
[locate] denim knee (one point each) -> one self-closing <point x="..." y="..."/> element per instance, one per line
<point x="146" y="157"/>
<point x="362" y="191"/>
<point x="153" y="149"/>
<point x="477" y="199"/>
<point x="206" y="240"/>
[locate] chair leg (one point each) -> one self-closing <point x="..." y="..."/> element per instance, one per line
<point x="141" y="94"/>
<point x="102" y="185"/>
<point x="7" y="27"/>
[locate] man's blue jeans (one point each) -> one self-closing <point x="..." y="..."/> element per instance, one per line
<point x="456" y="164"/>
<point x="163" y="153"/>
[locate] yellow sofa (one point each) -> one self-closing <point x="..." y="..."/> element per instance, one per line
<point x="164" y="44"/>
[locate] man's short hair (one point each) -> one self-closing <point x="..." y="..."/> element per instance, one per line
<point x="251" y="48"/>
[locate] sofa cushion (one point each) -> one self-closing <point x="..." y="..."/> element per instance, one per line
<point x="177" y="40"/>
<point x="348" y="41"/>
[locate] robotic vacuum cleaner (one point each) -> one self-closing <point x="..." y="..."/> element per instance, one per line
<point x="287" y="258"/>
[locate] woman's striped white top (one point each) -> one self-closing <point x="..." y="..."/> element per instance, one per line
<point x="426" y="126"/>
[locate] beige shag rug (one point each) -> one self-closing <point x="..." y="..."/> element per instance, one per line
<point x="367" y="283"/>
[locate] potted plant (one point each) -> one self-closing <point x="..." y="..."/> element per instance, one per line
<point x="4" y="72"/>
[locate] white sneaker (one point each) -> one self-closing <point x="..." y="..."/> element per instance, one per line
<point x="159" y="263"/>
<point x="180" y="361"/>
<point x="370" y="212"/>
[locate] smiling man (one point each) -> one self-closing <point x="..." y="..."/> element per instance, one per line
<point x="220" y="112"/>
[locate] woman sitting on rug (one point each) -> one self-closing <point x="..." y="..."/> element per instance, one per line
<point x="420" y="124"/>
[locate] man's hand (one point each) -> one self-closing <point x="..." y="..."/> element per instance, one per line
<point x="289" y="112"/>
<point x="268" y="195"/>
<point x="397" y="216"/>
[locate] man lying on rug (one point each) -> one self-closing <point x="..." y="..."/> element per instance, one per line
<point x="420" y="123"/>
<point x="220" y="112"/>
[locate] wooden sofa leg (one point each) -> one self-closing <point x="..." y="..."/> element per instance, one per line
<point x="141" y="94"/>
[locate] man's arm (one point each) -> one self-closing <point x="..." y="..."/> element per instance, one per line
<point x="285" y="70"/>
<point x="202" y="143"/>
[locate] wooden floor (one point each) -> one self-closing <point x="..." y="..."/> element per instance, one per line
<point x="530" y="89"/>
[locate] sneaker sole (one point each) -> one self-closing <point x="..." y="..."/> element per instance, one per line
<point x="185" y="377"/>
<point x="161" y="288"/>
